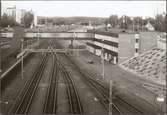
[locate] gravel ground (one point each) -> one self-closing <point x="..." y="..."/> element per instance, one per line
<point x="62" y="100"/>
<point x="12" y="90"/>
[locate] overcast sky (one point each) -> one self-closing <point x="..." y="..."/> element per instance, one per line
<point x="90" y="8"/>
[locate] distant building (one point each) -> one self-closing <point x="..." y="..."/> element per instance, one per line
<point x="11" y="11"/>
<point x="149" y="26"/>
<point x="17" y="14"/>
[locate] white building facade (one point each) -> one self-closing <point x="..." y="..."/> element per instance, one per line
<point x="11" y="11"/>
<point x="104" y="44"/>
<point x="17" y="14"/>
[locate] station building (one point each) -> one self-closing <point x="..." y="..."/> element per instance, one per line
<point x="104" y="43"/>
<point x="119" y="47"/>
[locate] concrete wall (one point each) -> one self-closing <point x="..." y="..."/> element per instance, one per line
<point x="126" y="50"/>
<point x="161" y="44"/>
<point x="148" y="40"/>
<point x="126" y="47"/>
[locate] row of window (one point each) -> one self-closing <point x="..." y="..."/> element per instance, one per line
<point x="115" y="49"/>
<point x="114" y="44"/>
<point x="107" y="38"/>
<point x="105" y="50"/>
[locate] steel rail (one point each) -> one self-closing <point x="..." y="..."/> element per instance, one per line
<point x="25" y="99"/>
<point x="50" y="104"/>
<point x="74" y="99"/>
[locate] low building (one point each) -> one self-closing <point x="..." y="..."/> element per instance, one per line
<point x="149" y="26"/>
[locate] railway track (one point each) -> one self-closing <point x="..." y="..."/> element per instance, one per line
<point x="50" y="104"/>
<point x="74" y="99"/>
<point x="25" y="97"/>
<point x="75" y="106"/>
<point x="10" y="76"/>
<point x="104" y="94"/>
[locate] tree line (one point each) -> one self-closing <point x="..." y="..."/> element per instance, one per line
<point x="126" y="22"/>
<point x="71" y="20"/>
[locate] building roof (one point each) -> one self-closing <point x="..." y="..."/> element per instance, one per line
<point x="149" y="26"/>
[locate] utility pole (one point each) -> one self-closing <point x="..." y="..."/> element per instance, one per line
<point x="22" y="62"/>
<point x="38" y="37"/>
<point x="110" y="99"/>
<point x="132" y="24"/>
<point x="74" y="42"/>
<point x="102" y="52"/>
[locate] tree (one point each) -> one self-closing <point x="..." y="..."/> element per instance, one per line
<point x="160" y="23"/>
<point x="113" y="20"/>
<point x="27" y="19"/>
<point x="138" y="22"/>
<point x="124" y="22"/>
<point x="7" y="20"/>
